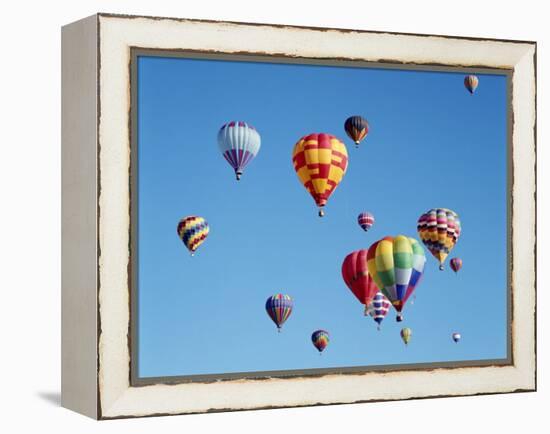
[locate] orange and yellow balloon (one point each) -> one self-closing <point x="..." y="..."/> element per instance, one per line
<point x="320" y="161"/>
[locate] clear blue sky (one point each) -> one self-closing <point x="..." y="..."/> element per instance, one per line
<point x="431" y="144"/>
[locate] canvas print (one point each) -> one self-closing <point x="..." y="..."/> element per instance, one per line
<point x="296" y="218"/>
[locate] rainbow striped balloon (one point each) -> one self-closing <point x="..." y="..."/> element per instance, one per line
<point x="239" y="143"/>
<point x="365" y="220"/>
<point x="396" y="265"/>
<point x="193" y="230"/>
<point x="378" y="308"/>
<point x="279" y="307"/>
<point x="439" y="230"/>
<point x="320" y="339"/>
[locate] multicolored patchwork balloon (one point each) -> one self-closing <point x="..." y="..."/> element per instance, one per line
<point x="456" y="337"/>
<point x="357" y="277"/>
<point x="439" y="229"/>
<point x="193" y="230"/>
<point x="456" y="264"/>
<point x="378" y="308"/>
<point x="471" y="82"/>
<point x="406" y="334"/>
<point x="320" y="161"/>
<point x="356" y="128"/>
<point x="279" y="307"/>
<point x="239" y="143"/>
<point x="320" y="339"/>
<point x="365" y="220"/>
<point x="396" y="264"/>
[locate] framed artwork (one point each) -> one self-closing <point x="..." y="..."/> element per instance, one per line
<point x="263" y="216"/>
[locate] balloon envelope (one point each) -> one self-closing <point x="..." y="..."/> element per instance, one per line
<point x="471" y="82"/>
<point x="439" y="230"/>
<point x="193" y="230"/>
<point x="356" y="128"/>
<point x="365" y="220"/>
<point x="406" y="334"/>
<point x="456" y="264"/>
<point x="320" y="161"/>
<point x="396" y="264"/>
<point x="239" y="143"/>
<point x="320" y="339"/>
<point x="279" y="307"/>
<point x="357" y="278"/>
<point x="379" y="307"/>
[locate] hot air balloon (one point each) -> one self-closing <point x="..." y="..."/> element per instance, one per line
<point x="439" y="229"/>
<point x="471" y="82"/>
<point x="356" y="128"/>
<point x="396" y="266"/>
<point x="279" y="307"/>
<point x="378" y="308"/>
<point x="456" y="264"/>
<point x="320" y="339"/>
<point x="365" y="220"/>
<point x="456" y="337"/>
<point x="320" y="161"/>
<point x="357" y="277"/>
<point x="239" y="143"/>
<point x="193" y="230"/>
<point x="406" y="334"/>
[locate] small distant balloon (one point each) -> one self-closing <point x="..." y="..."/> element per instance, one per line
<point x="471" y="82"/>
<point x="456" y="337"/>
<point x="279" y="307"/>
<point x="356" y="128"/>
<point x="379" y="308"/>
<point x="406" y="334"/>
<point x="320" y="339"/>
<point x="239" y="143"/>
<point x="365" y="220"/>
<point x="456" y="264"/>
<point x="193" y="230"/>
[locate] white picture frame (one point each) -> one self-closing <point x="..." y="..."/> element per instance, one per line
<point x="97" y="203"/>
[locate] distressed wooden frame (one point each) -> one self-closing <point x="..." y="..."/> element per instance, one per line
<point x="96" y="213"/>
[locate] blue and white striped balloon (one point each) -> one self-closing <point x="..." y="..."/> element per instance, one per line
<point x="378" y="308"/>
<point x="239" y="143"/>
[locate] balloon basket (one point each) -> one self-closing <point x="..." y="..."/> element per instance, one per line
<point x="321" y="212"/>
<point x="238" y="175"/>
<point x="441" y="268"/>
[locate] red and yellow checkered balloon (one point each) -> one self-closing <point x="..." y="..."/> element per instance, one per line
<point x="320" y="160"/>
